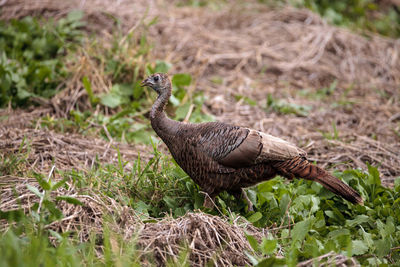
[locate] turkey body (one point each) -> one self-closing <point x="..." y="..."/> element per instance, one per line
<point x="220" y="156"/>
<point x="215" y="156"/>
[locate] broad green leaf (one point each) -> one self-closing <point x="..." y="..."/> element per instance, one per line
<point x="300" y="230"/>
<point x="255" y="217"/>
<point x="22" y="93"/>
<point x="122" y="89"/>
<point x="171" y="203"/>
<point x="340" y="232"/>
<point x="382" y="247"/>
<point x="359" y="219"/>
<point x="75" y="15"/>
<point x="162" y="66"/>
<point x="111" y="100"/>
<point x="137" y="90"/>
<point x="272" y="262"/>
<point x="284" y="204"/>
<point x="56" y="235"/>
<point x="252" y="241"/>
<point x="175" y="101"/>
<point x="182" y="111"/>
<point x="181" y="79"/>
<point x="367" y="238"/>
<point x="359" y="247"/>
<point x="268" y="246"/>
<point x="34" y="190"/>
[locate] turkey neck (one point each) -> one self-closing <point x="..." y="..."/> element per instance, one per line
<point x="162" y="125"/>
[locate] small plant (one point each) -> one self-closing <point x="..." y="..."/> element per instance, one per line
<point x="334" y="135"/>
<point x="283" y="107"/>
<point x="359" y="14"/>
<point x="32" y="57"/>
<point x="246" y="99"/>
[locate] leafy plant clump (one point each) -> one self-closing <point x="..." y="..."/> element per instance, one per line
<point x="302" y="220"/>
<point x="310" y="221"/>
<point x="283" y="107"/>
<point x="375" y="16"/>
<point x="32" y="56"/>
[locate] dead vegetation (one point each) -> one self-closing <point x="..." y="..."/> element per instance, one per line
<point x="84" y="220"/>
<point x="252" y="50"/>
<point x="45" y="148"/>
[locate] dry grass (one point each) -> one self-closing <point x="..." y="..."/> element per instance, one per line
<point x="208" y="238"/>
<point x="68" y="151"/>
<point x="84" y="220"/>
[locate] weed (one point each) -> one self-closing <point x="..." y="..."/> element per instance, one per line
<point x="283" y="107"/>
<point x="32" y="57"/>
<point x="246" y="99"/>
<point x="357" y="14"/>
<point x="334" y="135"/>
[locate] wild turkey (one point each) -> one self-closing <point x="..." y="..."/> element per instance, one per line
<point x="219" y="156"/>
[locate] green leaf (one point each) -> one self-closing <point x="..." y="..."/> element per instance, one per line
<point x="181" y="79"/>
<point x="162" y="66"/>
<point x="59" y="184"/>
<point x="88" y="87"/>
<point x="42" y="182"/>
<point x="111" y="100"/>
<point x="300" y="230"/>
<point x="23" y="94"/>
<point x="175" y="101"/>
<point x="374" y="175"/>
<point x="171" y="203"/>
<point x="56" y="235"/>
<point x="252" y="241"/>
<point x="137" y="90"/>
<point x="52" y="208"/>
<point x="122" y="89"/>
<point x="359" y="247"/>
<point x="268" y="246"/>
<point x="34" y="190"/>
<point x="255" y="217"/>
<point x="70" y="200"/>
<point x="272" y="262"/>
<point x="75" y="15"/>
<point x="359" y="219"/>
<point x="181" y="111"/>
<point x="382" y="247"/>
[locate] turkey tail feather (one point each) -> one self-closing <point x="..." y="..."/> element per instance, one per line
<point x="300" y="167"/>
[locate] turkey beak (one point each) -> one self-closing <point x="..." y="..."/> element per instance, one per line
<point x="146" y="82"/>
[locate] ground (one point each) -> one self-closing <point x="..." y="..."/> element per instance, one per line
<point x="285" y="71"/>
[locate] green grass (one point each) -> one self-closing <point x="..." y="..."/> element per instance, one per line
<point x="312" y="220"/>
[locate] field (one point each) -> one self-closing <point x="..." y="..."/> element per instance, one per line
<point x="84" y="180"/>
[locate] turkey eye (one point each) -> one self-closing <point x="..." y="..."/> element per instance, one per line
<point x="155" y="78"/>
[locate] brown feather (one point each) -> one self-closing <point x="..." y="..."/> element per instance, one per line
<point x="245" y="154"/>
